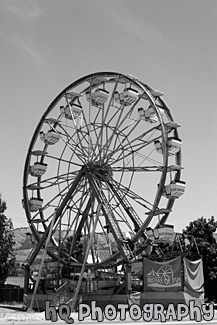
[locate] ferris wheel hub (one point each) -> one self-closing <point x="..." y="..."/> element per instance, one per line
<point x="101" y="170"/>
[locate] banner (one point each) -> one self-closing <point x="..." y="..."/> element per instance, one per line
<point x="162" y="276"/>
<point x="194" y="279"/>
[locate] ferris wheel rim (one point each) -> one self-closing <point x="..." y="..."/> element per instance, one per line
<point x="49" y="109"/>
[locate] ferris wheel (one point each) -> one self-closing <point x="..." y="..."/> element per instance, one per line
<point x="106" y="157"/>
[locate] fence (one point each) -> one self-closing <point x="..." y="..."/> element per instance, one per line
<point x="11" y="295"/>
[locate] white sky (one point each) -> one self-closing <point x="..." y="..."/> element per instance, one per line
<point x="169" y="44"/>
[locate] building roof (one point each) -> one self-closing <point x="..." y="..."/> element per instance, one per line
<point x="17" y="281"/>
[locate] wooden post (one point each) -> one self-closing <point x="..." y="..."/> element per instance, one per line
<point x="182" y="272"/>
<point x="128" y="278"/>
<point x="26" y="278"/>
<point x="59" y="249"/>
<point x="143" y="274"/>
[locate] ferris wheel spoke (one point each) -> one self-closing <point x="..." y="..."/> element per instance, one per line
<point x="123" y="199"/>
<point x="112" y="222"/>
<point x="146" y="158"/>
<point x="73" y="145"/>
<point x="61" y="160"/>
<point x="88" y="127"/>
<point x="107" y="239"/>
<point x="132" y="144"/>
<point x="81" y="138"/>
<point x="96" y="118"/>
<point x="135" y="151"/>
<point x="109" y="104"/>
<point x="137" y="169"/>
<point x="74" y="222"/>
<point x="101" y="146"/>
<point x="75" y="198"/>
<point x="52" y="181"/>
<point x="119" y="123"/>
<point x="95" y="147"/>
<point x="80" y="226"/>
<point x="115" y="115"/>
<point x="116" y="201"/>
<point x="50" y="203"/>
<point x="134" y="196"/>
<point x="97" y="142"/>
<point x="87" y="142"/>
<point x="78" y="199"/>
<point x="126" y="153"/>
<point x="121" y="217"/>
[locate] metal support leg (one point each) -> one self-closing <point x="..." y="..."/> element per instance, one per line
<point x="85" y="259"/>
<point x="42" y="261"/>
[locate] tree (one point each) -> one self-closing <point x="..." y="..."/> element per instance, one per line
<point x="203" y="232"/>
<point x="7" y="258"/>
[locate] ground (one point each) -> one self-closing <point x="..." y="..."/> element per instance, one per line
<point x="15" y="315"/>
<point x="19" y="316"/>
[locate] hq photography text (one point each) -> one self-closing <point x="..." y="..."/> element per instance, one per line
<point x="147" y="312"/>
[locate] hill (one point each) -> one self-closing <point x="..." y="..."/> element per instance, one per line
<point x="20" y="238"/>
<point x="23" y="247"/>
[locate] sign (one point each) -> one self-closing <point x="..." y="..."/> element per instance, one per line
<point x="162" y="276"/>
